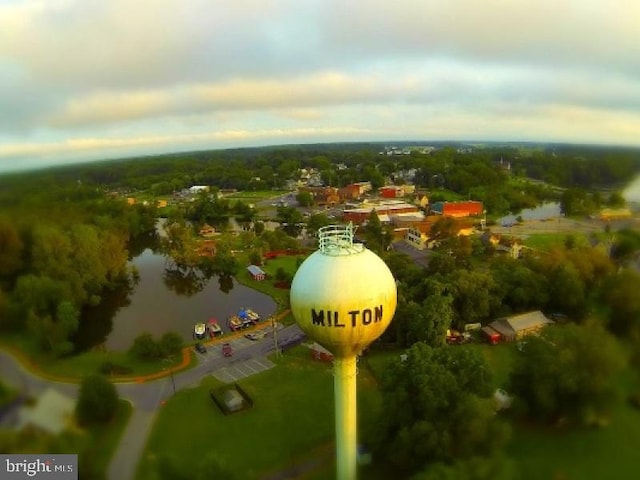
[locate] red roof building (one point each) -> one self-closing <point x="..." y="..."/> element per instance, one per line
<point x="458" y="209"/>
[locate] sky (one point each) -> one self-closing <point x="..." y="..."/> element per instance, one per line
<point x="95" y="79"/>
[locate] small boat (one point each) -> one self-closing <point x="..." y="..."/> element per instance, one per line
<point x="235" y="323"/>
<point x="253" y="315"/>
<point x="248" y="317"/>
<point x="214" y="328"/>
<point x="199" y="330"/>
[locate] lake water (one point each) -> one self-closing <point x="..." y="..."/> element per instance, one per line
<point x="632" y="192"/>
<point x="543" y="212"/>
<point x="156" y="309"/>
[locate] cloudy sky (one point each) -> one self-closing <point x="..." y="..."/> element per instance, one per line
<point x="87" y="79"/>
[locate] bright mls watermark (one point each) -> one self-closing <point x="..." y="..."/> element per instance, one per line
<point x="40" y="467"/>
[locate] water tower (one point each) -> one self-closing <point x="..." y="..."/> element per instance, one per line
<point x="343" y="296"/>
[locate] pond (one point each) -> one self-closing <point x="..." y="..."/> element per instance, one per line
<point x="155" y="308"/>
<point x="545" y="211"/>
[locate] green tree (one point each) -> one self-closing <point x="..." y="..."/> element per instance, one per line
<point x="315" y="222"/>
<point x="145" y="347"/>
<point x="616" y="200"/>
<point x="567" y="372"/>
<point x="522" y="288"/>
<point x="170" y="343"/>
<point x="304" y="199"/>
<point x="291" y="220"/>
<point x="425" y="396"/>
<point x="11" y="250"/>
<point x="569" y="294"/>
<point x="377" y="237"/>
<point x="258" y="227"/>
<point x="426" y="323"/>
<point x="476" y="296"/>
<point x="620" y="295"/>
<point x="97" y="400"/>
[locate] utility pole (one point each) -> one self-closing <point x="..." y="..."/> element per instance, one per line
<point x="170" y="361"/>
<point x="274" y="329"/>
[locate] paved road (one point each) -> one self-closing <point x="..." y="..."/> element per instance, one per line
<point x="147" y="397"/>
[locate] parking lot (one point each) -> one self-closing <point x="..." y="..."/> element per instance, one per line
<point x="242" y="369"/>
<point x="249" y="355"/>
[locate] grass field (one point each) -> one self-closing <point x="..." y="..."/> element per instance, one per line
<point x="546" y="241"/>
<point x="101" y="441"/>
<point x="587" y="454"/>
<point x="291" y="422"/>
<point x="77" y="366"/>
<point x="291" y="425"/>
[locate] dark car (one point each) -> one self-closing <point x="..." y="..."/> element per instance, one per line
<point x="200" y="348"/>
<point x="227" y="351"/>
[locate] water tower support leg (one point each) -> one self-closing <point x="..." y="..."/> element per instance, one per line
<point x="344" y="382"/>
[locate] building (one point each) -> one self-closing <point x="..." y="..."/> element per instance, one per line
<point x="207" y="230"/>
<point x="360" y="215"/>
<point x="256" y="272"/>
<point x="510" y="329"/>
<point x="198" y="188"/>
<point x="469" y="208"/>
<point x="615" y="213"/>
<point x="391" y="191"/>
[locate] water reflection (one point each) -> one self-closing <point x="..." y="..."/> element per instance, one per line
<point x="167" y="301"/>
<point x="185" y="282"/>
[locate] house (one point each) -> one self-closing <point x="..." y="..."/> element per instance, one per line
<point x="198" y="188"/>
<point x="391" y="191"/>
<point x="510" y="329"/>
<point x="256" y="272"/>
<point x="207" y="230"/>
<point x="417" y="235"/>
<point x="391" y="207"/>
<point x="422" y="201"/>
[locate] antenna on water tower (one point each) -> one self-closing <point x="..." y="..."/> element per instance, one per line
<point x="343" y="296"/>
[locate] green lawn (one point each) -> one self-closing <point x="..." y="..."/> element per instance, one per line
<point x="291" y="421"/>
<point x="77" y="366"/>
<point x="101" y="442"/>
<point x="546" y="241"/>
<point x="279" y="295"/>
<point x="595" y="454"/>
<point x="254" y="197"/>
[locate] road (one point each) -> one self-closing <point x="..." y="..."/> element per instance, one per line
<point x="148" y="397"/>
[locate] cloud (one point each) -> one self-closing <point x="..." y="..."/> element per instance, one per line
<point x="91" y="147"/>
<point x="149" y="70"/>
<point x="434" y="83"/>
<point x="546" y="32"/>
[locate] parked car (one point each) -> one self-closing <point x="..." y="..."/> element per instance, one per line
<point x="254" y="335"/>
<point x="227" y="351"/>
<point x="200" y="348"/>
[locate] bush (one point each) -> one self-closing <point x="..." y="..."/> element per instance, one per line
<point x="170" y="344"/>
<point x="97" y="401"/>
<point x="145" y="348"/>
